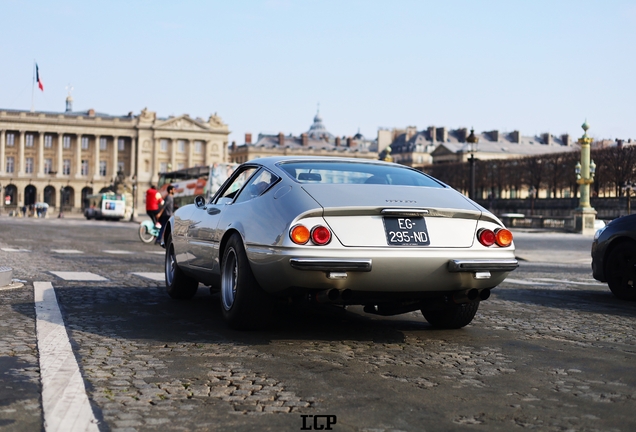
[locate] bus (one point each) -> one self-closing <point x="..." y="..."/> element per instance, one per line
<point x="199" y="180"/>
<point x="107" y="205"/>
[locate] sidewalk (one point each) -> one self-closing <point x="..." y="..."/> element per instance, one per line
<point x="552" y="247"/>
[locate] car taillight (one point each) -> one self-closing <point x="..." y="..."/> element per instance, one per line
<point x="503" y="237"/>
<point x="486" y="237"/>
<point x="320" y="235"/>
<point x="299" y="234"/>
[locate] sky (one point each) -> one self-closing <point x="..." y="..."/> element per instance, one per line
<point x="264" y="66"/>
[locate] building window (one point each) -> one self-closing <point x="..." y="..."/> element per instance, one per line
<point x="10" y="164"/>
<point x="10" y="139"/>
<point x="84" y="167"/>
<point x="48" y="166"/>
<point x="163" y="167"/>
<point x="66" y="167"/>
<point x="197" y="146"/>
<point x="48" y="141"/>
<point x="164" y="145"/>
<point x="28" y="166"/>
<point x="102" y="143"/>
<point x="102" y="168"/>
<point x="180" y="166"/>
<point x="181" y="146"/>
<point x="66" y="142"/>
<point x="120" y="144"/>
<point x="84" y="143"/>
<point x="29" y="140"/>
<point x="120" y="167"/>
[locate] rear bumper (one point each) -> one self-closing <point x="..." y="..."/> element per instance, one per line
<point x="482" y="265"/>
<point x="321" y="264"/>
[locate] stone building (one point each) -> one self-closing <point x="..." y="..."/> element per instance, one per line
<point x="317" y="141"/>
<point x="439" y="145"/>
<point x="61" y="157"/>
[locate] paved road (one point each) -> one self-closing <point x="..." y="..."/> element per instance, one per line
<point x="551" y="350"/>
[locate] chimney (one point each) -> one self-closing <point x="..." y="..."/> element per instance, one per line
<point x="462" y="134"/>
<point x="566" y="140"/>
<point x="516" y="137"/>
<point x="281" y="139"/>
<point x="248" y="138"/>
<point x="431" y="133"/>
<point x="337" y="141"/>
<point x="305" y="140"/>
<point x="619" y="143"/>
<point x="385" y="138"/>
<point x="410" y="132"/>
<point x="233" y="145"/>
<point x="91" y="112"/>
<point x="546" y="138"/>
<point x="494" y="135"/>
<point x="442" y="134"/>
<point x="349" y="141"/>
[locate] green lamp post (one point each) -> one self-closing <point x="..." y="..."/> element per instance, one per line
<point x="584" y="215"/>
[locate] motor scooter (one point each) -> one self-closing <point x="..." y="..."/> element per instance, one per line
<point x="148" y="232"/>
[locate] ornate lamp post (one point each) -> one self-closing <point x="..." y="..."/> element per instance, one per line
<point x="472" y="141"/>
<point x="584" y="215"/>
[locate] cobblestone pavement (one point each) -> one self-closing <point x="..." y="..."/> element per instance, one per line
<point x="551" y="350"/>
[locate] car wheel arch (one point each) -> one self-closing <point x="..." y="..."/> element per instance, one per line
<point x="613" y="245"/>
<point x="225" y="239"/>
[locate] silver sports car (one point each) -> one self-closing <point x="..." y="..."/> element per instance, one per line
<point x="340" y="231"/>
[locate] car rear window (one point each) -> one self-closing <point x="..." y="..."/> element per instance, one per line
<point x="323" y="172"/>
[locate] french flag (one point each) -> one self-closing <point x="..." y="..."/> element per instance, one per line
<point x="37" y="77"/>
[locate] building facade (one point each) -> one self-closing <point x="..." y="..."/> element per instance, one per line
<point x="60" y="158"/>
<point x="441" y="145"/>
<point x="317" y="141"/>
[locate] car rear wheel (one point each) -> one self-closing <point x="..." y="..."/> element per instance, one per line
<point x="244" y="304"/>
<point x="621" y="271"/>
<point x="453" y="316"/>
<point x="178" y="285"/>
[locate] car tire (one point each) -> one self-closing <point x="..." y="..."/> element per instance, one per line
<point x="244" y="304"/>
<point x="620" y="270"/>
<point x="453" y="316"/>
<point x="178" y="285"/>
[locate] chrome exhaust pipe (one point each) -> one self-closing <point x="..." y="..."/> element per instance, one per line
<point x="484" y="294"/>
<point x="328" y="296"/>
<point x="466" y="296"/>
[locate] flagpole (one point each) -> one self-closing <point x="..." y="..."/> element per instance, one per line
<point x="33" y="88"/>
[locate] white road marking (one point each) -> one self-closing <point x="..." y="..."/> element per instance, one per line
<point x="118" y="252"/>
<point x="525" y="282"/>
<point x="153" y="276"/>
<point x="565" y="281"/>
<point x="78" y="276"/>
<point x="161" y="252"/>
<point x="64" y="400"/>
<point x="67" y="251"/>
<point x="14" y="250"/>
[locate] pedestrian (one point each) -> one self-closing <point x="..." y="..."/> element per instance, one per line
<point x="153" y="200"/>
<point x="166" y="212"/>
<point x="24" y="210"/>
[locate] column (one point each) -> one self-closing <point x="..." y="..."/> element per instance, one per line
<point x="96" y="174"/>
<point x="207" y="145"/>
<point x="3" y="163"/>
<point x="40" y="156"/>
<point x="173" y="154"/>
<point x="133" y="157"/>
<point x="190" y="150"/>
<point x="78" y="157"/>
<point x="155" y="160"/>
<point x="115" y="156"/>
<point x="60" y="155"/>
<point x="20" y="161"/>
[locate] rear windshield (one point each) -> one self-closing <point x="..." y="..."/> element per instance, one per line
<point x="356" y="173"/>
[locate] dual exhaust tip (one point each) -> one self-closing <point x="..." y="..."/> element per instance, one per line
<point x="471" y="295"/>
<point x="333" y="295"/>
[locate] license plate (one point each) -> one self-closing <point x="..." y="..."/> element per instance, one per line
<point x="405" y="231"/>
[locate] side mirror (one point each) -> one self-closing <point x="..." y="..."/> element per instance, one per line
<point x="199" y="201"/>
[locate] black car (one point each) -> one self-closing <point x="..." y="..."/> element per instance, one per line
<point x="614" y="256"/>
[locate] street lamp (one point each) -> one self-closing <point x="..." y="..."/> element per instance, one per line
<point x="584" y="215"/>
<point x="472" y="141"/>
